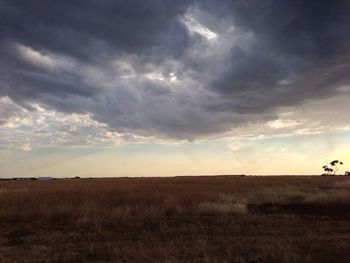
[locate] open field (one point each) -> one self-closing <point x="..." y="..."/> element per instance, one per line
<point x="182" y="219"/>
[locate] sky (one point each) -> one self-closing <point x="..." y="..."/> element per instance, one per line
<point x="163" y="88"/>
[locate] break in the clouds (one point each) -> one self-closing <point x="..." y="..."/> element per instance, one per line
<point x="168" y="69"/>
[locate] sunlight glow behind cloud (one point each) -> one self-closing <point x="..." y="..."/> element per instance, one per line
<point x="194" y="26"/>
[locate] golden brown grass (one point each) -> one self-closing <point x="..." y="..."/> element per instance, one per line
<point x="183" y="219"/>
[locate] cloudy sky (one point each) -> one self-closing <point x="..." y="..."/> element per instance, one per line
<point x="141" y="88"/>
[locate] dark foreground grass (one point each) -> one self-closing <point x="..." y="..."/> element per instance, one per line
<point x="184" y="219"/>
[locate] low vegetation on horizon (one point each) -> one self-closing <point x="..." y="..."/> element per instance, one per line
<point x="181" y="219"/>
<point x="332" y="168"/>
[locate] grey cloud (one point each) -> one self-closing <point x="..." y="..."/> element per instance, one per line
<point x="87" y="29"/>
<point x="136" y="66"/>
<point x="292" y="40"/>
<point x="312" y="29"/>
<point x="9" y="110"/>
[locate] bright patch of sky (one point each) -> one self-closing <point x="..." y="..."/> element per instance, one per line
<point x="194" y="26"/>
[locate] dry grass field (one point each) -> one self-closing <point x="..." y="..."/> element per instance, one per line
<point x="181" y="219"/>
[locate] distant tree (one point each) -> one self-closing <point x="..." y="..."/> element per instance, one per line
<point x="332" y="168"/>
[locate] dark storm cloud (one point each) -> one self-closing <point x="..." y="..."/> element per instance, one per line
<point x="311" y="29"/>
<point x="182" y="69"/>
<point x="87" y="31"/>
<point x="78" y="27"/>
<point x="292" y="39"/>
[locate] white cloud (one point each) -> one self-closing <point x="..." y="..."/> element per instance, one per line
<point x="35" y="57"/>
<point x="283" y="123"/>
<point x="158" y="76"/>
<point x="10" y="113"/>
<point x="26" y="147"/>
<point x="195" y="27"/>
<point x="48" y="128"/>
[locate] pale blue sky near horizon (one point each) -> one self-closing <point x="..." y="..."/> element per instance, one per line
<point x="287" y="155"/>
